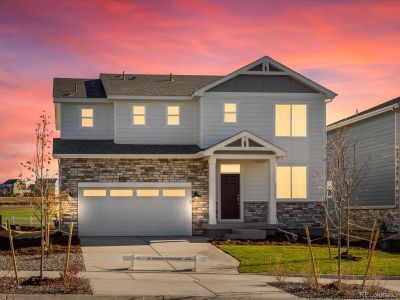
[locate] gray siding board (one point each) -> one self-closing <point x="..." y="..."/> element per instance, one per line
<point x="375" y="144"/>
<point x="256" y="114"/>
<point x="262" y="84"/>
<point x="156" y="131"/>
<point x="71" y="121"/>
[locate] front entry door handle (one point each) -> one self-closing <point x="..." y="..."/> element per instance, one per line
<point x="238" y="199"/>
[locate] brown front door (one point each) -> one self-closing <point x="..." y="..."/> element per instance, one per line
<point x="230" y="196"/>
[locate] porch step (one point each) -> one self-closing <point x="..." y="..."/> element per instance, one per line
<point x="246" y="234"/>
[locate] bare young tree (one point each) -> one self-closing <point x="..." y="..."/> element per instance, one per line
<point x="341" y="184"/>
<point x="44" y="199"/>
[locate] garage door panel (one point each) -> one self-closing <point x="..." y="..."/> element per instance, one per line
<point x="128" y="216"/>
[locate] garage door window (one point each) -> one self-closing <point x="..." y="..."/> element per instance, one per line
<point x="121" y="193"/>
<point x="174" y="193"/>
<point x="94" y="193"/>
<point x="148" y="193"/>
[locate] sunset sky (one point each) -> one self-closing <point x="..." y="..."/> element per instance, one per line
<point x="350" y="47"/>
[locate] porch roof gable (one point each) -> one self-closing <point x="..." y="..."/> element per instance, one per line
<point x="247" y="142"/>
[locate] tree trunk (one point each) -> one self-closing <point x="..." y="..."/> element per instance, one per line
<point x="348" y="228"/>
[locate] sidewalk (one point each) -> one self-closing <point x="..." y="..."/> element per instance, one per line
<point x="164" y="285"/>
<point x="174" y="284"/>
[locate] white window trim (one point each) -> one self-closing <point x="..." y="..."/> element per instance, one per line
<point x="80" y="116"/>
<point x="145" y="116"/>
<point x="223" y="112"/>
<point x="307" y="184"/>
<point x="166" y="115"/>
<point x="307" y="121"/>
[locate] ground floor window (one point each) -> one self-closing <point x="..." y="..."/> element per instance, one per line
<point x="291" y="182"/>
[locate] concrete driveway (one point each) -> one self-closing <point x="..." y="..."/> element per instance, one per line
<point x="218" y="276"/>
<point x="105" y="254"/>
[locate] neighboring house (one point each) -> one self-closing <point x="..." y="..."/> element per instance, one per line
<point x="12" y="187"/>
<point x="376" y="134"/>
<point x="177" y="154"/>
<point x="49" y="184"/>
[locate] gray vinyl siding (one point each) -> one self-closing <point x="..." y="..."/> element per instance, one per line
<point x="256" y="114"/>
<point x="375" y="143"/>
<point x="103" y="128"/>
<point x="265" y="84"/>
<point x="156" y="130"/>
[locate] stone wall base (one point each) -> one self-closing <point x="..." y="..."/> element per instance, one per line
<point x="387" y="218"/>
<point x="299" y="214"/>
<point x="256" y="212"/>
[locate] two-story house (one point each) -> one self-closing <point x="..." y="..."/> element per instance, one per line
<point x="375" y="133"/>
<point x="175" y="154"/>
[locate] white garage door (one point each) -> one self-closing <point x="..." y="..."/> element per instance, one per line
<point x="146" y="209"/>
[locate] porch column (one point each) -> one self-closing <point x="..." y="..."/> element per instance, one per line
<point x="272" y="195"/>
<point x="212" y="199"/>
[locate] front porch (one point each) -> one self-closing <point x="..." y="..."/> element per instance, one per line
<point x="242" y="184"/>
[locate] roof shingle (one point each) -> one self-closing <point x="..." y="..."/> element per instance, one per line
<point x="78" y="88"/>
<point x="154" y="85"/>
<point x="61" y="146"/>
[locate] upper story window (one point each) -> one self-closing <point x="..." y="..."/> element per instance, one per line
<point x="230" y="112"/>
<point x="291" y="182"/>
<point x="291" y="120"/>
<point x="87" y="117"/>
<point x="173" y="115"/>
<point x="139" y="115"/>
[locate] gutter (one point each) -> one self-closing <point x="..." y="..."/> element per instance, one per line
<point x="362" y="117"/>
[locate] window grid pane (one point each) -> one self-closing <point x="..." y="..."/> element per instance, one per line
<point x="139" y="110"/>
<point x="139" y="120"/>
<point x="282" y="120"/>
<point x="173" y="120"/>
<point x="94" y="193"/>
<point x="299" y="182"/>
<point x="139" y="115"/>
<point x="283" y="182"/>
<point x="87" y="112"/>
<point x="173" y="110"/>
<point x="230" y="107"/>
<point x="147" y="193"/>
<point x="299" y="120"/>
<point x="87" y="122"/>
<point x="230" y="117"/>
<point x="121" y="193"/>
<point x="174" y="193"/>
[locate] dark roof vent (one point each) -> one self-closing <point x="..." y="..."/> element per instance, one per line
<point x="171" y="78"/>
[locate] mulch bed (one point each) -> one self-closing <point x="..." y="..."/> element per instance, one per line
<point x="34" y="285"/>
<point x="348" y="291"/>
<point x="28" y="254"/>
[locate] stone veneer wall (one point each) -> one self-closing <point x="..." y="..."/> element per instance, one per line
<point x="296" y="215"/>
<point x="195" y="171"/>
<point x="389" y="216"/>
<point x="256" y="212"/>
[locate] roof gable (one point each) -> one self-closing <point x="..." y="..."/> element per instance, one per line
<point x="265" y="67"/>
<point x="245" y="141"/>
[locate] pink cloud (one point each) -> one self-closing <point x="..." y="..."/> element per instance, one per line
<point x="350" y="47"/>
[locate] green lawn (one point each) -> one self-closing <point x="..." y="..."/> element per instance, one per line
<point x="17" y="212"/>
<point x="294" y="259"/>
